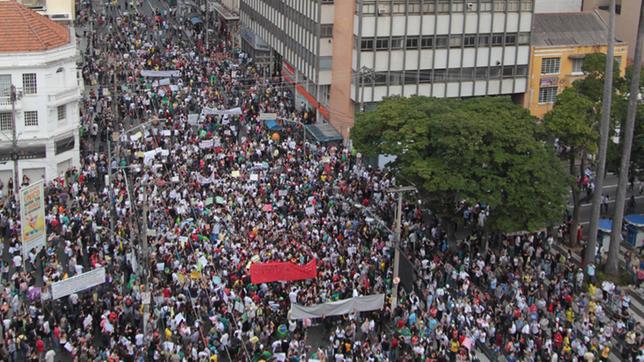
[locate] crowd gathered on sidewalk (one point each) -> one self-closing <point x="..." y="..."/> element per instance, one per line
<point x="221" y="192"/>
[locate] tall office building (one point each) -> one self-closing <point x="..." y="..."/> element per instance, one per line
<point x="344" y="56"/>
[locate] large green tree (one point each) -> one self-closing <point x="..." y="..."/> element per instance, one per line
<point x="573" y="123"/>
<point x="479" y="150"/>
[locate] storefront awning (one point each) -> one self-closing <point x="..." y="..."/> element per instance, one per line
<point x="324" y="132"/>
<point x="224" y="12"/>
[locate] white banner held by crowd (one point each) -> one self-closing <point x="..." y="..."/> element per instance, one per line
<point x="205" y="111"/>
<point x="78" y="283"/>
<point x="32" y="217"/>
<point x="267" y="116"/>
<point x="345" y="306"/>
<point x="161" y="73"/>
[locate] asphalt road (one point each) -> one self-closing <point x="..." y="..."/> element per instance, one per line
<point x="610" y="189"/>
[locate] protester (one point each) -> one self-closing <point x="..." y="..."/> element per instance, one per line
<point x="221" y="192"/>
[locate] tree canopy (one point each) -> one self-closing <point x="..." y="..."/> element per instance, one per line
<point x="486" y="150"/>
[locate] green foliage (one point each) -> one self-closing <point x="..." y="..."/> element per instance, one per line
<point x="480" y="150"/>
<point x="572" y="121"/>
<point x="592" y="85"/>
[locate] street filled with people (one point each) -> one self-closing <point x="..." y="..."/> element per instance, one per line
<point x="182" y="188"/>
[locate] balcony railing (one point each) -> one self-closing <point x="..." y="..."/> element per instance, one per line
<point x="64" y="94"/>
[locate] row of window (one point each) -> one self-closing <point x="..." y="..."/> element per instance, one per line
<point x="445" y="75"/>
<point x="30" y="118"/>
<point x="381" y="8"/>
<point x="29" y="84"/>
<point x="553" y="65"/>
<point x="445" y="41"/>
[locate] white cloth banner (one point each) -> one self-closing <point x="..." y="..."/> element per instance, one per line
<point x="78" y="283"/>
<point x="340" y="307"/>
<point x="205" y="111"/>
<point x="160" y="73"/>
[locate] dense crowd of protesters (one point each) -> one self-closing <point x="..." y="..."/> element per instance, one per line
<point x="222" y="192"/>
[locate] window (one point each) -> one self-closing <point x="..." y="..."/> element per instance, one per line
<point x="427" y="43"/>
<point x="29" y="83"/>
<point x="326" y="30"/>
<point x="412" y="43"/>
<point x="325" y="63"/>
<point x="455" y="41"/>
<point x="425" y="76"/>
<point x="64" y="145"/>
<point x="547" y="94"/>
<point x="522" y="70"/>
<point x="577" y="65"/>
<point x="382" y="44"/>
<point x="508" y="71"/>
<point x="439" y="75"/>
<point x="550" y="65"/>
<point x="395" y="78"/>
<point x="441" y="41"/>
<point x="396" y="43"/>
<point x="481" y="73"/>
<point x="453" y="74"/>
<point x="510" y="39"/>
<point x="5" y="121"/>
<point x="62" y="112"/>
<point x="469" y="40"/>
<point x="31" y="118"/>
<point x="484" y="40"/>
<point x="497" y="40"/>
<point x="366" y="44"/>
<point x="5" y="85"/>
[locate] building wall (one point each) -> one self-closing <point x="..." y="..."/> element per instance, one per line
<point x="61" y="7"/>
<point x="626" y="22"/>
<point x="564" y="78"/>
<point x="441" y="49"/>
<point x="557" y="6"/>
<point x="232" y="5"/>
<point x="341" y="107"/>
<point x="56" y="85"/>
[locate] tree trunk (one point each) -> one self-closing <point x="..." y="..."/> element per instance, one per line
<point x="576" y="196"/>
<point x="589" y="254"/>
<point x="612" y="264"/>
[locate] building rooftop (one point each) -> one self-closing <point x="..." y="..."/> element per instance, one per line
<point x="24" y="30"/>
<point x="568" y="29"/>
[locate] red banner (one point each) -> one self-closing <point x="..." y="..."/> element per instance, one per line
<point x="281" y="272"/>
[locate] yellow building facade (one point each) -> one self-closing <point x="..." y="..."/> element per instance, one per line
<point x="554" y="65"/>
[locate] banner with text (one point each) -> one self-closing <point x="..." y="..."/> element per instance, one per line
<point x="78" y="283"/>
<point x="282" y="272"/>
<point x="205" y="111"/>
<point x="161" y="73"/>
<point x="345" y="306"/>
<point x="32" y="217"/>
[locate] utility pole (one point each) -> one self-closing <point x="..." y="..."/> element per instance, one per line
<point x="207" y="25"/>
<point x="612" y="264"/>
<point x="14" y="141"/>
<point x="109" y="186"/>
<point x="589" y="253"/>
<point x="143" y="232"/>
<point x="397" y="231"/>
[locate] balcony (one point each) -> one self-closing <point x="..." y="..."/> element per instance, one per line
<point x="64" y="96"/>
<point x="5" y="104"/>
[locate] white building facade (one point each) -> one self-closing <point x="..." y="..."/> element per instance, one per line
<point x="46" y="112"/>
<point x="441" y="48"/>
<point x="557" y="6"/>
<point x="349" y="54"/>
